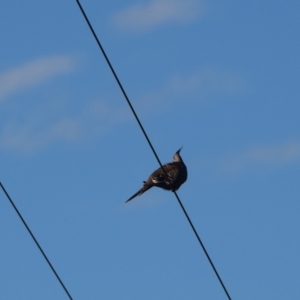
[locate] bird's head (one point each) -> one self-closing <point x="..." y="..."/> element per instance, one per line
<point x="176" y="156"/>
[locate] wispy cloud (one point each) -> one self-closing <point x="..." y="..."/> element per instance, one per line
<point x="33" y="73"/>
<point x="283" y="154"/>
<point x="33" y="134"/>
<point x="156" y="12"/>
<point x="208" y="81"/>
<point x="203" y="84"/>
<point x="50" y="123"/>
<point x="30" y="138"/>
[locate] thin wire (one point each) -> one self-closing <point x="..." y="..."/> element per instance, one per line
<point x="150" y="144"/>
<point x="35" y="240"/>
<point x="203" y="247"/>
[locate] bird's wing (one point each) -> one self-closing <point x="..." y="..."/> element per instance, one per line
<point x="159" y="175"/>
<point x="158" y="178"/>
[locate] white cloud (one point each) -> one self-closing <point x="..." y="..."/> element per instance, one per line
<point x="52" y="122"/>
<point x="33" y="73"/>
<point x="208" y="81"/>
<point x="157" y="12"/>
<point x="204" y="84"/>
<point x="33" y="134"/>
<point x="28" y="138"/>
<point x="283" y="154"/>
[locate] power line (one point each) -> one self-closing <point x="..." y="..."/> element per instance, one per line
<point x="150" y="144"/>
<point x="35" y="240"/>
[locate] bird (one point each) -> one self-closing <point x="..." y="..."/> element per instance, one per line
<point x="170" y="178"/>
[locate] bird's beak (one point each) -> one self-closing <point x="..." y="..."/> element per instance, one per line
<point x="179" y="150"/>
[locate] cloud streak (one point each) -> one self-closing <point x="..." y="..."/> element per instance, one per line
<point x="279" y="155"/>
<point x="32" y="134"/>
<point x="28" y="138"/>
<point x="43" y="127"/>
<point x="157" y="12"/>
<point x="33" y="73"/>
<point x="209" y="81"/>
<point x="203" y="84"/>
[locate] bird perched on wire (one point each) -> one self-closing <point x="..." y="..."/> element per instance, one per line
<point x="170" y="178"/>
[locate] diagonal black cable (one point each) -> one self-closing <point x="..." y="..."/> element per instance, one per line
<point x="150" y="144"/>
<point x="35" y="240"/>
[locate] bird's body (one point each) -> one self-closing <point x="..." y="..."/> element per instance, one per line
<point x="170" y="178"/>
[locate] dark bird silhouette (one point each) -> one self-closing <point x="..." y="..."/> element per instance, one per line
<point x="170" y="178"/>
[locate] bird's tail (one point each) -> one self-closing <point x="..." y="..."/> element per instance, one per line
<point x="140" y="192"/>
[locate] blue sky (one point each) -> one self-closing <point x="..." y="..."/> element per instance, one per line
<point x="220" y="78"/>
